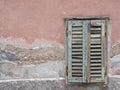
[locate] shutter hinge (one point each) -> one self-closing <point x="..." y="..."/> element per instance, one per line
<point x="66" y="30"/>
<point x="105" y="34"/>
<point x="66" y="70"/>
<point x="67" y="33"/>
<point x="105" y="71"/>
<point x="89" y="26"/>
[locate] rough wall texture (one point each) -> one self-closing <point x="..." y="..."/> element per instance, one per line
<point x="32" y="32"/>
<point x="115" y="49"/>
<point x="53" y="69"/>
<point x="55" y="84"/>
<point x="34" y="55"/>
<point x="44" y="19"/>
<point x="37" y="60"/>
<point x="31" y="61"/>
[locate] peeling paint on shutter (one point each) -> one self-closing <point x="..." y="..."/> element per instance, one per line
<point x="86" y="51"/>
<point x="97" y="51"/>
<point x="75" y="51"/>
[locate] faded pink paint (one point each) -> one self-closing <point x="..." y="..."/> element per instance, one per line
<point x="44" y="19"/>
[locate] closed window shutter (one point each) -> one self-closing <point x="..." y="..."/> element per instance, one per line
<point x="76" y="48"/>
<point x="86" y="51"/>
<point x="97" y="51"/>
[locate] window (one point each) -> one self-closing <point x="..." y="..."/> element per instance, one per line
<point x="86" y="50"/>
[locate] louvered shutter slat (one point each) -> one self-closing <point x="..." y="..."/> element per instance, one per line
<point x="96" y="51"/>
<point x="76" y="46"/>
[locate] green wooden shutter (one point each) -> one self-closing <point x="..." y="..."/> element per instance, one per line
<point x="76" y="48"/>
<point x="86" y="51"/>
<point x="97" y="51"/>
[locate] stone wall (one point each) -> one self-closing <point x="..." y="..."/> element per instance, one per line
<point x="20" y="68"/>
<point x="55" y="84"/>
<point x="34" y="55"/>
<point x="41" y="61"/>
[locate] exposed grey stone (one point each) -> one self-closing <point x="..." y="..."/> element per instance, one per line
<point x="34" y="84"/>
<point x="8" y="56"/>
<point x="114" y="65"/>
<point x="53" y="69"/>
<point x="56" y="84"/>
<point x="36" y="55"/>
<point x="115" y="49"/>
<point x="6" y="69"/>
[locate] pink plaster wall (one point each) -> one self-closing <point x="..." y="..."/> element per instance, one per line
<point x="44" y="19"/>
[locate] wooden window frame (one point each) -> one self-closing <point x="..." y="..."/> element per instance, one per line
<point x="108" y="41"/>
